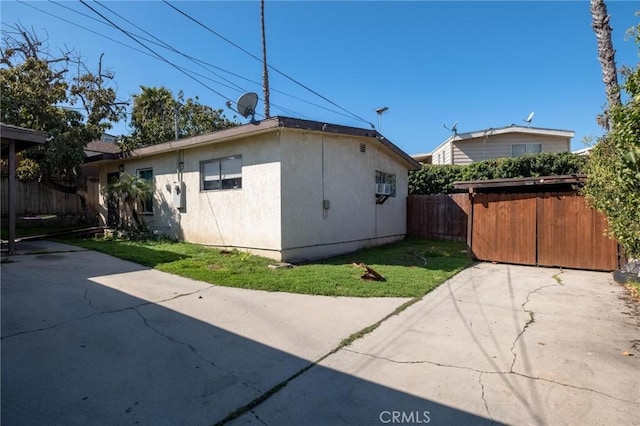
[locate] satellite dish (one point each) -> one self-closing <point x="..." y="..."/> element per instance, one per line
<point x="528" y="119"/>
<point x="247" y="104"/>
<point x="453" y="128"/>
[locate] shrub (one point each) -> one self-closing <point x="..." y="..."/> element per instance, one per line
<point x="439" y="179"/>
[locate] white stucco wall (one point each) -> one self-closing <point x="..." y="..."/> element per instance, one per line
<point x="278" y="212"/>
<point x="247" y="218"/>
<point x="317" y="167"/>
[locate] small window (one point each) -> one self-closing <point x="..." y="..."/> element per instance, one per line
<point x="147" y="203"/>
<point x="363" y="148"/>
<point x="518" y="149"/>
<point x="382" y="177"/>
<point x="223" y="173"/>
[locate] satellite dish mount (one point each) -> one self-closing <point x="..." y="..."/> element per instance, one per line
<point x="246" y="105"/>
<point x="528" y="119"/>
<point x="453" y="128"/>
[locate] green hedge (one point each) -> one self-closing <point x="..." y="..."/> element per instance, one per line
<point x="439" y="179"/>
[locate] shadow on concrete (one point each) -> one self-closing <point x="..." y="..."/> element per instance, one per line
<point x="78" y="351"/>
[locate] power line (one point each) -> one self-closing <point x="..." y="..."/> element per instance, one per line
<point x="208" y="64"/>
<point x="168" y="46"/>
<point x="164" y="45"/>
<point x="271" y="67"/>
<point x="175" y="50"/>
<point x="200" y="62"/>
<point x="152" y="51"/>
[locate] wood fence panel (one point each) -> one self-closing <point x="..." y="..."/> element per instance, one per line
<point x="504" y="228"/>
<point x="572" y="235"/>
<point x="438" y="217"/>
<point x="36" y="198"/>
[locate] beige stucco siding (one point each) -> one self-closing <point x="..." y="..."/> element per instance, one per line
<point x="317" y="167"/>
<point x="279" y="211"/>
<point x="499" y="146"/>
<point x="247" y="218"/>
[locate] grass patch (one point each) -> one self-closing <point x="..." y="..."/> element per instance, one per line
<point x="634" y="289"/>
<point x="402" y="264"/>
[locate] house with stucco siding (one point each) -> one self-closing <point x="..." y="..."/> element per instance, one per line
<point x="284" y="188"/>
<point x="503" y="142"/>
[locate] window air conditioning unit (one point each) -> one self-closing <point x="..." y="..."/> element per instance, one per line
<point x="383" y="189"/>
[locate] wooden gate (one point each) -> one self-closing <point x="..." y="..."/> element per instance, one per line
<point x="547" y="229"/>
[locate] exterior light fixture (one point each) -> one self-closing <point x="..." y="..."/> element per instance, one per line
<point x="121" y="168"/>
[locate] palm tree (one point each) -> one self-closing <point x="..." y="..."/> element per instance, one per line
<point x="132" y="191"/>
<point x="606" y="54"/>
<point x="153" y="114"/>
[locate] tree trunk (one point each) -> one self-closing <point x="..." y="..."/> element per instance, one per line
<point x="606" y="53"/>
<point x="79" y="188"/>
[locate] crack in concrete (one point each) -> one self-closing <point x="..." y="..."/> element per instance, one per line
<point x="193" y="350"/>
<point x="258" y="418"/>
<point x="515" y="342"/>
<point x="86" y="297"/>
<point x="530" y="321"/>
<point x="115" y="311"/>
<point x="503" y="373"/>
<point x="438" y="364"/>
<point x="486" y="404"/>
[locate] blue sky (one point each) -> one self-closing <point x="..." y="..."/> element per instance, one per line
<point x="482" y="64"/>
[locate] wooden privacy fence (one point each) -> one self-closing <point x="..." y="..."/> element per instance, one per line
<point x="546" y="229"/>
<point x="35" y="198"/>
<point x="438" y="217"/>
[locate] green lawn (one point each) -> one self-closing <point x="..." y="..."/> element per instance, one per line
<point x="402" y="264"/>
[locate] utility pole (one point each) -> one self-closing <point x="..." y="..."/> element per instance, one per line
<point x="265" y="71"/>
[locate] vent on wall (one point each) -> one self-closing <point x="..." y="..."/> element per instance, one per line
<point x="363" y="148"/>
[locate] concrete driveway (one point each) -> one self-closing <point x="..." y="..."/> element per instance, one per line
<point x="89" y="339"/>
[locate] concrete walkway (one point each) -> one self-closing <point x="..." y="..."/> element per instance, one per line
<point x="90" y="339"/>
<point x="496" y="344"/>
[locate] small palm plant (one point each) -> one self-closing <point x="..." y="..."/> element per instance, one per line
<point x="131" y="191"/>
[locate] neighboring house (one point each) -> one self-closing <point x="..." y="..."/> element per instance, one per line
<point x="424" y="158"/>
<point x="583" y="151"/>
<point x="511" y="141"/>
<point x="284" y="188"/>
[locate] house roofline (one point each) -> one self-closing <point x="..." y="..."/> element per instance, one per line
<point x="262" y="127"/>
<point x="504" y="130"/>
<point x="513" y="129"/>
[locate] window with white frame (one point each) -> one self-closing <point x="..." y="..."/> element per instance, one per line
<point x="390" y="179"/>
<point x="518" y="149"/>
<point x="147" y="203"/>
<point x="222" y="173"/>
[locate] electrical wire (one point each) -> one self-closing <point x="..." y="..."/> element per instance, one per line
<point x="176" y="66"/>
<point x="188" y="56"/>
<point x="271" y="67"/>
<point x="156" y="54"/>
<point x="168" y="46"/>
<point x="183" y="69"/>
